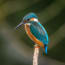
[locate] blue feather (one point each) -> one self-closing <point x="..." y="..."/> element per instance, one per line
<point x="30" y="15"/>
<point x="39" y="32"/>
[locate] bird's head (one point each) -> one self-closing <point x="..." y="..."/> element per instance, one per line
<point x="28" y="18"/>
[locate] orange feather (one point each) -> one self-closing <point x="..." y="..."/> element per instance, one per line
<point x="32" y="36"/>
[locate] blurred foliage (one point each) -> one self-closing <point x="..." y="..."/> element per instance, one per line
<point x="57" y="52"/>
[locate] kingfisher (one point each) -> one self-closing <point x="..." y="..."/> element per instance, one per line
<point x="35" y="31"/>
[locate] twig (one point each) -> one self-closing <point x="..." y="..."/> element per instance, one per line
<point x="36" y="54"/>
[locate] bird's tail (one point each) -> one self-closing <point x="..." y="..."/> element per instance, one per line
<point x="45" y="50"/>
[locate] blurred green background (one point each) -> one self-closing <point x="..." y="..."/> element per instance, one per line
<point x="15" y="46"/>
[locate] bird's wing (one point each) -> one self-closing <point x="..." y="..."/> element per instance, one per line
<point x="39" y="32"/>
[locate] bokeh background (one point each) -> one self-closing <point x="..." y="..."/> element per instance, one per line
<point x="15" y="46"/>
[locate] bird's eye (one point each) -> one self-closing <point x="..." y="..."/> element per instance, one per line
<point x="28" y="19"/>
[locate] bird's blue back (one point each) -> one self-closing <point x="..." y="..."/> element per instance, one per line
<point x="39" y="32"/>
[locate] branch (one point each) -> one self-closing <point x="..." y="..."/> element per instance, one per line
<point x="36" y="54"/>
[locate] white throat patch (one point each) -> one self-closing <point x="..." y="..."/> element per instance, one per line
<point x="34" y="19"/>
<point x="28" y="24"/>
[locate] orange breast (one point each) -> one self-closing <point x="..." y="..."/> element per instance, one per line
<point x="33" y="38"/>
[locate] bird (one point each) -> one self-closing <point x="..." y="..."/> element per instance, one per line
<point x="35" y="30"/>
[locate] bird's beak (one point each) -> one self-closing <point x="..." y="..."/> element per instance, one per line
<point x="19" y="25"/>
